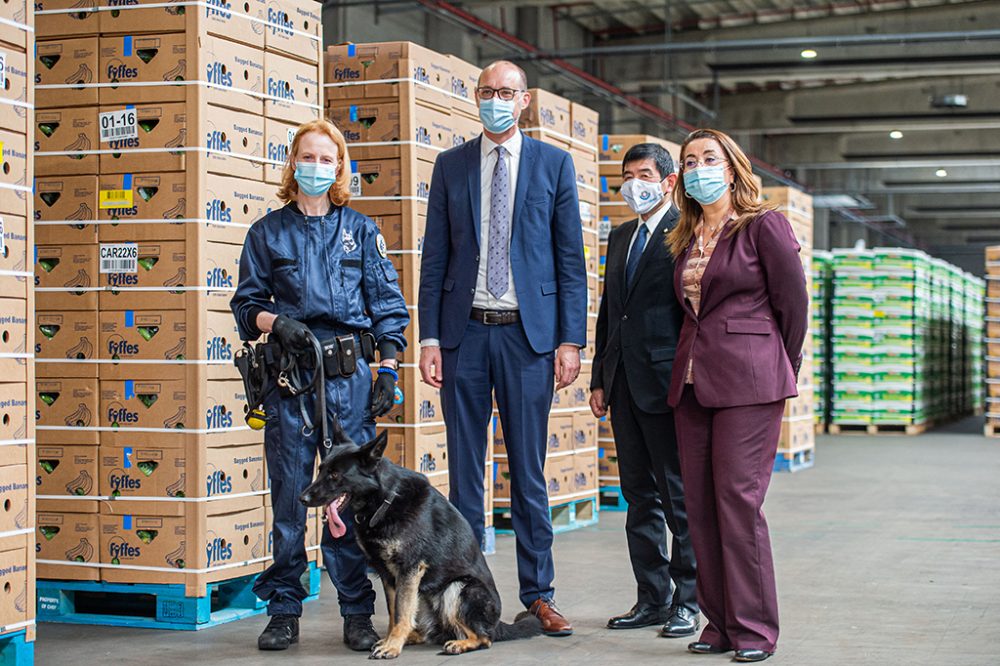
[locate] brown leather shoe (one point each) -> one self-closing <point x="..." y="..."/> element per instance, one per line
<point x="553" y="623"/>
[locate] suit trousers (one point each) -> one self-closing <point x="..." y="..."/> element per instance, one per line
<point x="727" y="456"/>
<point x="650" y="474"/>
<point x="500" y="359"/>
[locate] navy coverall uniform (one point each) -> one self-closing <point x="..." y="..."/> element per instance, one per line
<point x="331" y="273"/>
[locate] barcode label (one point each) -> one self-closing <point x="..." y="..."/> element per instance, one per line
<point x="118" y="125"/>
<point x="119" y="258"/>
<point x="355" y="186"/>
<point x="115" y="199"/>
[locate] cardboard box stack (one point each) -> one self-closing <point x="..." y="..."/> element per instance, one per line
<point x="820" y="334"/>
<point x="17" y="339"/>
<point x="797" y="445"/>
<point x="399" y="106"/>
<point x="897" y="320"/>
<point x="161" y="135"/>
<point x="992" y="335"/>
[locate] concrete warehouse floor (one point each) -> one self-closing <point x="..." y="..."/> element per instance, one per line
<point x="887" y="552"/>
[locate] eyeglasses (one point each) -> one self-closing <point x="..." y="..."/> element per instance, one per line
<point x="506" y="94"/>
<point x="691" y="163"/>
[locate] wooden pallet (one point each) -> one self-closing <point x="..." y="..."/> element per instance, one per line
<point x="155" y="606"/>
<point x="16" y="649"/>
<point x="565" y="516"/>
<point x="820" y="428"/>
<point x="878" y="429"/>
<point x="991" y="429"/>
<point x="795" y="461"/>
<point x="612" y="499"/>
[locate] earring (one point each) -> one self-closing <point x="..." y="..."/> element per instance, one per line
<point x="732" y="186"/>
<point x="688" y="194"/>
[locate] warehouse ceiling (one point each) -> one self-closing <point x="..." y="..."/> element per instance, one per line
<point x="887" y="110"/>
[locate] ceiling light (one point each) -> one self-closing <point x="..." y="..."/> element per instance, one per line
<point x="940" y="173"/>
<point x="809" y="54"/>
<point x="895" y="134"/>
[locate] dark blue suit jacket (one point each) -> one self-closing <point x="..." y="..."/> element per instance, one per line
<point x="546" y="247"/>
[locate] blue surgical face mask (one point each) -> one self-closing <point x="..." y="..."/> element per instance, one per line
<point x="706" y="184"/>
<point x="315" y="179"/>
<point x="496" y="114"/>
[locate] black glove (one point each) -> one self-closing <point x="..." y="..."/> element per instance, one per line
<point x="292" y="334"/>
<point x="383" y="394"/>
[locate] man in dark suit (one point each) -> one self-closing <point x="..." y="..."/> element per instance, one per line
<point x="503" y="308"/>
<point x="637" y="332"/>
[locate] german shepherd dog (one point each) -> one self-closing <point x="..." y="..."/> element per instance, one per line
<point x="438" y="587"/>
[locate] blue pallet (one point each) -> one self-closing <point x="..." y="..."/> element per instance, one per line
<point x="565" y="516"/>
<point x="795" y="462"/>
<point x="156" y="606"/>
<point x="612" y="499"/>
<point x="16" y="650"/>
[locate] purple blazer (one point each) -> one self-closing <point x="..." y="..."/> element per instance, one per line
<point x="752" y="321"/>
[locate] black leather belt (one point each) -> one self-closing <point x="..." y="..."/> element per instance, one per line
<point x="495" y="317"/>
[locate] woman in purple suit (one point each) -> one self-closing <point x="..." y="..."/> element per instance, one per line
<point x="743" y="290"/>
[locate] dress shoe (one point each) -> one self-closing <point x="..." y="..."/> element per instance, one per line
<point x="700" y="647"/>
<point x="747" y="656"/>
<point x="641" y="615"/>
<point x="281" y="631"/>
<point x="553" y="622"/>
<point x="359" y="634"/>
<point x="682" y="622"/>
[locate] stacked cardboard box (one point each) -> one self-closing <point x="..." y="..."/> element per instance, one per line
<point x="161" y="136"/>
<point x="898" y="326"/>
<point x="992" y="339"/>
<point x="17" y="340"/>
<point x="399" y="106"/>
<point x="819" y="324"/>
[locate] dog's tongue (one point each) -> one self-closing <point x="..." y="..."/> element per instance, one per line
<point x="333" y="521"/>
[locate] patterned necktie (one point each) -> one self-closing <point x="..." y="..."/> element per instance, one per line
<point x="636" y="254"/>
<point x="497" y="262"/>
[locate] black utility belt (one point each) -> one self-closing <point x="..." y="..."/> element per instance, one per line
<point x="341" y="355"/>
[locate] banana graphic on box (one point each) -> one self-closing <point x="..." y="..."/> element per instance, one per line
<point x="256" y="483"/>
<point x="84" y="212"/>
<point x="83" y="349"/>
<point x="177" y="73"/>
<point x="176" y="557"/>
<point x="83" y="552"/>
<point x="258" y="548"/>
<point x="19" y="603"/>
<point x="81" y="485"/>
<point x="81" y="279"/>
<point x="176" y="211"/>
<point x="83" y="74"/>
<point x="176" y="489"/>
<point x="177" y="420"/>
<point x="20" y="432"/>
<point x="177" y="351"/>
<point x="177" y="280"/>
<point x="81" y="143"/>
<point x="79" y="418"/>
<point x="21" y="519"/>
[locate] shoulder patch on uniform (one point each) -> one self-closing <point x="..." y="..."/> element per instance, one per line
<point x="380" y="244"/>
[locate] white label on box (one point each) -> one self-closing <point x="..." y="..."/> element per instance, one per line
<point x="118" y="125"/>
<point x="119" y="258"/>
<point x="355" y="186"/>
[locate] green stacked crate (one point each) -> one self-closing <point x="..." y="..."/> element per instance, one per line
<point x="820" y="328"/>
<point x="852" y="338"/>
<point x="939" y="349"/>
<point x="974" y="322"/>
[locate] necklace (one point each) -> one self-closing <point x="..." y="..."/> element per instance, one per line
<point x="701" y="240"/>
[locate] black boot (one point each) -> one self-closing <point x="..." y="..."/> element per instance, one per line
<point x="359" y="634"/>
<point x="281" y="631"/>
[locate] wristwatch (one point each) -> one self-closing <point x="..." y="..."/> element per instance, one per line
<point x="389" y="363"/>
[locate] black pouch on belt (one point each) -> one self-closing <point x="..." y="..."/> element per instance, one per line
<point x="368" y="346"/>
<point x="340" y="356"/>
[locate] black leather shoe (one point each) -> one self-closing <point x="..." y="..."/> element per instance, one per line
<point x="359" y="634"/>
<point x="699" y="647"/>
<point x="281" y="631"/>
<point x="747" y="656"/>
<point x="641" y="615"/>
<point x="682" y="622"/>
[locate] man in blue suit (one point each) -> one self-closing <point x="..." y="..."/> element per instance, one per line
<point x="503" y="308"/>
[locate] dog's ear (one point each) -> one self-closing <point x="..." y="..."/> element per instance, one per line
<point x="372" y="451"/>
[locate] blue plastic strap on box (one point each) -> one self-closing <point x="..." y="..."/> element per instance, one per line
<point x="127" y="181"/>
<point x="605" y="141"/>
<point x="130" y="107"/>
<point x="352" y="50"/>
<point x="127" y="457"/>
<point x="129" y="389"/>
<point x="129" y="318"/>
<point x="600" y="452"/>
<point x="496" y="466"/>
<point x="354" y="166"/>
<point x="126" y="522"/>
<point x="604" y="184"/>
<point x="127" y="46"/>
<point x="354" y="113"/>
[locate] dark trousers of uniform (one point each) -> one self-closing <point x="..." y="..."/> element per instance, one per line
<point x="727" y="456"/>
<point x="500" y="359"/>
<point x="650" y="475"/>
<point x="291" y="459"/>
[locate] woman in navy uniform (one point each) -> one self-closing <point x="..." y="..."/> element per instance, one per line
<point x="317" y="265"/>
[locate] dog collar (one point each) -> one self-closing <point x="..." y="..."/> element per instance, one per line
<point x="381" y="511"/>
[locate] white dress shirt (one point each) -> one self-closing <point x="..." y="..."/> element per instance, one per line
<point x="651" y="223"/>
<point x="487" y="163"/>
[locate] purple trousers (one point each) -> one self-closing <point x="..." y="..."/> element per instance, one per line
<point x="727" y="456"/>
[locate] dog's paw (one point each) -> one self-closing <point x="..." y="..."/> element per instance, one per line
<point x="455" y="647"/>
<point x="383" y="651"/>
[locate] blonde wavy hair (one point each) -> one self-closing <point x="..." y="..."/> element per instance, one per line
<point x="339" y="193"/>
<point x="745" y="192"/>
